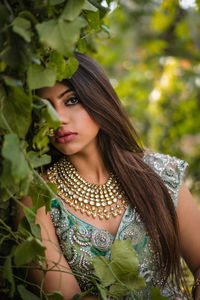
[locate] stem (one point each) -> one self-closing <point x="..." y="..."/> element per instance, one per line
<point x="30" y="283"/>
<point x="114" y="275"/>
<point x="29" y="15"/>
<point x="8" y="228"/>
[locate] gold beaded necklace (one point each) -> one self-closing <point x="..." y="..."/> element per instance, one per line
<point x="95" y="200"/>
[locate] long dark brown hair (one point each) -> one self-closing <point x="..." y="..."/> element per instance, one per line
<point x="122" y="154"/>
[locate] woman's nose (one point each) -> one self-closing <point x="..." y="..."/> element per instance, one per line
<point x="63" y="115"/>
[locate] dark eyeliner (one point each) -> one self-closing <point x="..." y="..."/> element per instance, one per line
<point x="71" y="98"/>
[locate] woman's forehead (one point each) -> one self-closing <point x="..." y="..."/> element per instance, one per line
<point x="55" y="91"/>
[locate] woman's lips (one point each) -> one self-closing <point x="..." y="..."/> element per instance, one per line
<point x="65" y="136"/>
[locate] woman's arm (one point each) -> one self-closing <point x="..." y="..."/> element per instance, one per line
<point x="189" y="224"/>
<point x="54" y="280"/>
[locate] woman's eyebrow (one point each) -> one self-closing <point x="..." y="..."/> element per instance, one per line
<point x="65" y="92"/>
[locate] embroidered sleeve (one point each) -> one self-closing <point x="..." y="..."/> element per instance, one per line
<point x="170" y="169"/>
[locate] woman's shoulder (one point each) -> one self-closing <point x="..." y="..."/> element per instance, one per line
<point x="170" y="168"/>
<point x="160" y="161"/>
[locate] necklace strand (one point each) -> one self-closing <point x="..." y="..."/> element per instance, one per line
<point x="95" y="200"/>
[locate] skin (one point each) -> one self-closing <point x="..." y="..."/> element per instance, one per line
<point x="84" y="154"/>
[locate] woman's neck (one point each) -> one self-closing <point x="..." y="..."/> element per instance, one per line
<point x="90" y="166"/>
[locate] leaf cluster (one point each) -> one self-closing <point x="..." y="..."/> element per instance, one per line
<point x="38" y="39"/>
<point x="118" y="276"/>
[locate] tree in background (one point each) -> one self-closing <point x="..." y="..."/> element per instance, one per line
<point x="152" y="59"/>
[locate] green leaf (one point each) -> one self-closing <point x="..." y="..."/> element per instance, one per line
<point x="17" y="53"/>
<point x="12" y="81"/>
<point x="22" y="27"/>
<point x="57" y="295"/>
<point x="124" y="255"/>
<point x="41" y="196"/>
<point x="89" y="6"/>
<point x="125" y="264"/>
<point x="30" y="214"/>
<point x="41" y="140"/>
<point x="6" y="176"/>
<point x="26" y="294"/>
<point x="102" y="271"/>
<point x="12" y="152"/>
<point x="36" y="160"/>
<point x="72" y="9"/>
<point x="93" y="19"/>
<point x="61" y="35"/>
<point x="56" y="59"/>
<point x="8" y="274"/>
<point x="17" y="108"/>
<point x="71" y="67"/>
<point x="117" y="291"/>
<point x="24" y="228"/>
<point x="5" y="195"/>
<point x="28" y="250"/>
<point x="155" y="293"/>
<point x="102" y="290"/>
<point x="65" y="67"/>
<point x="82" y="47"/>
<point x="50" y="114"/>
<point x="102" y="9"/>
<point x="39" y="77"/>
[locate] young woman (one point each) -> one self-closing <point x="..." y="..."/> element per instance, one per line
<point x="108" y="189"/>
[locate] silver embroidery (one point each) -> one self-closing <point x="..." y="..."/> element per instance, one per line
<point x="101" y="240"/>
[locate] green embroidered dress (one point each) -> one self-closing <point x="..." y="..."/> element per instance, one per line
<point x="91" y="241"/>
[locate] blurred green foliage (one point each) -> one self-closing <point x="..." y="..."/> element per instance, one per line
<point x="152" y="59"/>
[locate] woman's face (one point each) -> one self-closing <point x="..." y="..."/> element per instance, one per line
<point x="78" y="132"/>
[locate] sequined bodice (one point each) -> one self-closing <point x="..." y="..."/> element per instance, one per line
<point x="81" y="241"/>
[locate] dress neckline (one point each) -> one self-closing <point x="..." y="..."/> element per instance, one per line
<point x="67" y="211"/>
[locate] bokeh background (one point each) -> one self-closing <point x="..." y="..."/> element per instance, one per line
<point x="152" y="59"/>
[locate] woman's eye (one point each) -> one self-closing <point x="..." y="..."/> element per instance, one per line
<point x="72" y="101"/>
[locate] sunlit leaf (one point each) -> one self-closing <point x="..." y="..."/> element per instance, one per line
<point x="102" y="270"/>
<point x="118" y="291"/>
<point x="22" y="27"/>
<point x="39" y="77"/>
<point x="89" y="6"/>
<point x="71" y="66"/>
<point x="50" y="114"/>
<point x="93" y="19"/>
<point x="61" y="35"/>
<point x="72" y="9"/>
